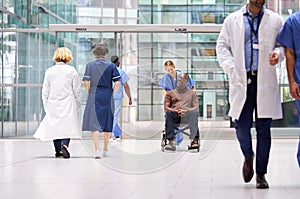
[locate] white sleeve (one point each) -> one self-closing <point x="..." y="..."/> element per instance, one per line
<point x="223" y="47"/>
<point x="77" y="89"/>
<point x="46" y="89"/>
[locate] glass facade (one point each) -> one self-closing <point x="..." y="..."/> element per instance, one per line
<point x="27" y="46"/>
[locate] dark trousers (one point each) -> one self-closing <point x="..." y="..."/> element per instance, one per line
<point x="59" y="142"/>
<point x="262" y="125"/>
<point x="190" y="118"/>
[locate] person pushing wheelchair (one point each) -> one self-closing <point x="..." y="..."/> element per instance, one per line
<point x="181" y="106"/>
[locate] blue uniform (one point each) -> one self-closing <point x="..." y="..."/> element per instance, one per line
<point x="118" y="96"/>
<point x="168" y="83"/>
<point x="98" y="113"/>
<point x="290" y="37"/>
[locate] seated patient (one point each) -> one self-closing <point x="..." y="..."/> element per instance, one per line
<point x="181" y="106"/>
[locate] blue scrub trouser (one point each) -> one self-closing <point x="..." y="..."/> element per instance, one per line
<point x="59" y="142"/>
<point x="116" y="128"/>
<point x="298" y="109"/>
<point x="262" y="125"/>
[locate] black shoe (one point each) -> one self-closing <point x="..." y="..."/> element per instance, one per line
<point x="248" y="171"/>
<point x="58" y="154"/>
<point x="65" y="152"/>
<point x="171" y="146"/>
<point x="261" y="182"/>
<point x="194" y="144"/>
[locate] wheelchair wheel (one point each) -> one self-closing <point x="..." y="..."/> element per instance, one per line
<point x="163" y="141"/>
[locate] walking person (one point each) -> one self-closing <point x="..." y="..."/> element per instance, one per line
<point x="118" y="96"/>
<point x="247" y="52"/>
<point x="289" y="37"/>
<point x="61" y="95"/>
<point x="99" y="111"/>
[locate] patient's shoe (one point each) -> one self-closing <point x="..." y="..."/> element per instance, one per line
<point x="194" y="145"/>
<point x="171" y="146"/>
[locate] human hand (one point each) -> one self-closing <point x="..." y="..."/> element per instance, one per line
<point x="273" y="58"/>
<point x="130" y="101"/>
<point x="294" y="90"/>
<point x="181" y="112"/>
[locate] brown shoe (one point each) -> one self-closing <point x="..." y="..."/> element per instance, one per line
<point x="248" y="171"/>
<point x="261" y="182"/>
<point x="65" y="152"/>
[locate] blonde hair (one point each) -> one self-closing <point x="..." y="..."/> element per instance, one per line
<point x="169" y="63"/>
<point x="63" y="54"/>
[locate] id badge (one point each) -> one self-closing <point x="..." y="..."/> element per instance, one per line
<point x="255" y="46"/>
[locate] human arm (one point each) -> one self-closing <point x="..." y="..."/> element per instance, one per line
<point x="116" y="86"/>
<point x="223" y="47"/>
<point x="76" y="85"/>
<point x="86" y="80"/>
<point x="86" y="85"/>
<point x="168" y="103"/>
<point x="277" y="55"/>
<point x="45" y="90"/>
<point x="290" y="67"/>
<point x="127" y="91"/>
<point x="278" y="52"/>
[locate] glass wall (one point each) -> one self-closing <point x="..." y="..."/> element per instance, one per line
<point x="26" y="55"/>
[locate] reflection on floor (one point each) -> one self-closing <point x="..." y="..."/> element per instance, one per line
<point x="138" y="169"/>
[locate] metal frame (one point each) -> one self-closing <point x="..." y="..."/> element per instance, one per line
<point x="137" y="28"/>
<point x="55" y="29"/>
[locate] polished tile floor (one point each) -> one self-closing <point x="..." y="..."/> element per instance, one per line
<point x="138" y="169"/>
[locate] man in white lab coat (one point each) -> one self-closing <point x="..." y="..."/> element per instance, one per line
<point x="247" y="52"/>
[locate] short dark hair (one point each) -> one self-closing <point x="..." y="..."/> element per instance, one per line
<point x="114" y="59"/>
<point x="185" y="76"/>
<point x="100" y="50"/>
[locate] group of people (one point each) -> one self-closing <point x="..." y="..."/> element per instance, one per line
<point x="251" y="42"/>
<point x="61" y="94"/>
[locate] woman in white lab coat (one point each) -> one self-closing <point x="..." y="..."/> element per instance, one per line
<point x="61" y="95"/>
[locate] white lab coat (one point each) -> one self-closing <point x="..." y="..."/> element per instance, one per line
<point x="230" y="53"/>
<point x="61" y="95"/>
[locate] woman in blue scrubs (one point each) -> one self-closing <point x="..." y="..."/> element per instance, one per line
<point x="169" y="80"/>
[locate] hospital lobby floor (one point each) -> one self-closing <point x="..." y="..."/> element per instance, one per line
<point x="139" y="169"/>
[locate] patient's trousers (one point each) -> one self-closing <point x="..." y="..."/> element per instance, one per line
<point x="172" y="120"/>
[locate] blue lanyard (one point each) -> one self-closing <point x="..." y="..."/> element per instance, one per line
<point x="253" y="31"/>
<point x="251" y="23"/>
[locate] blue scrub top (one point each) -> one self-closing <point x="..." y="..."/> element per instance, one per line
<point x="290" y="37"/>
<point x="124" y="78"/>
<point x="168" y="83"/>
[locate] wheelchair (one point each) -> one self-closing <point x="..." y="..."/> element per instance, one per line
<point x="181" y="129"/>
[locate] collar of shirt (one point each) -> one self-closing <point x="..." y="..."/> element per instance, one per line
<point x="247" y="13"/>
